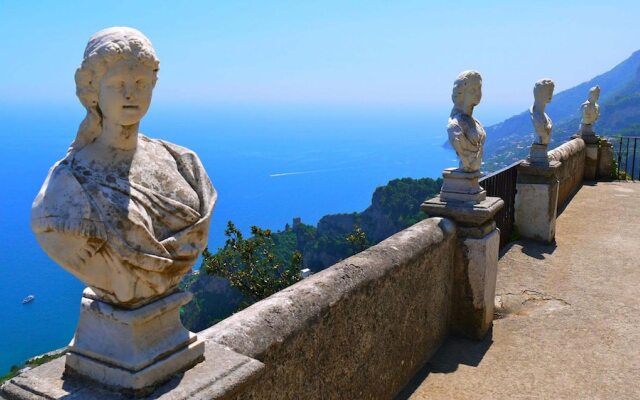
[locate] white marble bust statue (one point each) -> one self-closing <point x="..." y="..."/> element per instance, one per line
<point x="542" y="124"/>
<point x="466" y="134"/>
<point x="126" y="214"/>
<point x="590" y="108"/>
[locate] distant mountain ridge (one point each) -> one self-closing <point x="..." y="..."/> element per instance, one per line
<point x="509" y="141"/>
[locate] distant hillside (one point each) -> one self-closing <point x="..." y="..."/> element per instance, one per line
<point x="619" y="102"/>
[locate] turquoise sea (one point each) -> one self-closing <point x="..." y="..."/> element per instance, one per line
<point x="269" y="164"/>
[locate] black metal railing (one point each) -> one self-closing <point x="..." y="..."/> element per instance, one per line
<point x="627" y="149"/>
<point x="502" y="183"/>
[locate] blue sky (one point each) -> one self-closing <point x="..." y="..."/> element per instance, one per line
<point x="330" y="53"/>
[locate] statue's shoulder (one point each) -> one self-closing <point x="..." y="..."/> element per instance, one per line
<point x="61" y="176"/>
<point x="62" y="204"/>
<point x="456" y="124"/>
<point x="188" y="163"/>
<point x="175" y="150"/>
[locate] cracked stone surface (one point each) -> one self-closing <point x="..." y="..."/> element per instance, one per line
<point x="568" y="315"/>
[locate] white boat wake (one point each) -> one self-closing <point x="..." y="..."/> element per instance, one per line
<point x="298" y="173"/>
<point x="313" y="171"/>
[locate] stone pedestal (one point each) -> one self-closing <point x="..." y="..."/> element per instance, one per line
<point x="460" y="186"/>
<point x="132" y="350"/>
<point x="223" y="375"/>
<point x="537" y="201"/>
<point x="591" y="146"/>
<point x="475" y="263"/>
<point x="591" y="162"/>
<point x="538" y="154"/>
<point x="587" y="133"/>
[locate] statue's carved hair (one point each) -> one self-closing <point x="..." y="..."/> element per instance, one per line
<point x="541" y="85"/>
<point x="104" y="49"/>
<point x="461" y="83"/>
<point x="594" y="90"/>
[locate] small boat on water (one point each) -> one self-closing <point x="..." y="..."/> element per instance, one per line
<point x="28" y="299"/>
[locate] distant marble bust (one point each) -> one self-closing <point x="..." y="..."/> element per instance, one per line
<point x="590" y="108"/>
<point x="466" y="134"/>
<point x="542" y="94"/>
<point x="126" y="214"/>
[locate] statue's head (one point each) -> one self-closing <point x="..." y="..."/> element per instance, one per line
<point x="115" y="80"/>
<point x="543" y="91"/>
<point x="467" y="90"/>
<point x="594" y="94"/>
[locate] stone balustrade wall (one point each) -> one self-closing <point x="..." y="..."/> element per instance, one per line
<point x="572" y="156"/>
<point x="357" y="330"/>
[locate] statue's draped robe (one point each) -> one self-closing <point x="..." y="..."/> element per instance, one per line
<point x="467" y="137"/>
<point x="143" y="239"/>
<point x="542" y="125"/>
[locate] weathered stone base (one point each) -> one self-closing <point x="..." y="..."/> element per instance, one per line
<point x="591" y="161"/>
<point x="132" y="349"/>
<point x="587" y="134"/>
<point x="605" y="159"/>
<point x="537" y="201"/>
<point x="475" y="264"/>
<point x="222" y="375"/>
<point x="462" y="186"/>
<point x="135" y="382"/>
<point x="538" y="154"/>
<point x="475" y="281"/>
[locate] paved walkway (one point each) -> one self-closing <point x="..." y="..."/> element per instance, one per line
<point x="569" y="321"/>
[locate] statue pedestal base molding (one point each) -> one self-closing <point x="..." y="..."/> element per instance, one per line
<point x="538" y="154"/>
<point x="461" y="186"/>
<point x="132" y="349"/>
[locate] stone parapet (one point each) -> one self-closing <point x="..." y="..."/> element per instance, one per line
<point x="570" y="174"/>
<point x="359" y="329"/>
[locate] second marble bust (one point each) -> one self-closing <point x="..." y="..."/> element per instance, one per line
<point x="466" y="134"/>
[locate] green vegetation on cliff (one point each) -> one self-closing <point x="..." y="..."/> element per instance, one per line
<point x="247" y="270"/>
<point x="255" y="266"/>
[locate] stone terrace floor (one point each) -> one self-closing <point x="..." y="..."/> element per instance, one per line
<point x="568" y="326"/>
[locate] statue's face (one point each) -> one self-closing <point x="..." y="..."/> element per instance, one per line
<point x="544" y="94"/>
<point x="473" y="93"/>
<point x="125" y="92"/>
<point x="548" y="94"/>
